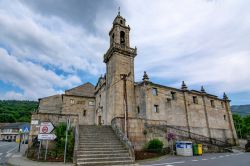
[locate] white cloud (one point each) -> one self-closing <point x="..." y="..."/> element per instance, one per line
<point x="202" y="42"/>
<point x="49" y="40"/>
<point x="33" y="79"/>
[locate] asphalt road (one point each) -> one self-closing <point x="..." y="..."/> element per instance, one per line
<point x="214" y="159"/>
<point x="7" y="149"/>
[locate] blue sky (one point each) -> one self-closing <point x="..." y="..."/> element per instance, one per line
<point x="49" y="46"/>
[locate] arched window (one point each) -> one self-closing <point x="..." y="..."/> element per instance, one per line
<point x="122" y="38"/>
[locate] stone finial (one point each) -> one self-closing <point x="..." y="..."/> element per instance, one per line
<point x="145" y="77"/>
<point x="202" y="90"/>
<point x="119" y="11"/>
<point x="225" y="96"/>
<point x="183" y="86"/>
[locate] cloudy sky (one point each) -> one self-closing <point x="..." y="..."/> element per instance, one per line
<point x="48" y="46"/>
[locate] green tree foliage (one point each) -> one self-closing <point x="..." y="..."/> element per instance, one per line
<point x="242" y="125"/>
<point x="155" y="145"/>
<point x="60" y="132"/>
<point x="16" y="111"/>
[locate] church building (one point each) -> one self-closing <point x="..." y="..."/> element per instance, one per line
<point x="143" y="110"/>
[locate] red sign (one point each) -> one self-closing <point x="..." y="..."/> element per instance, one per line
<point x="46" y="127"/>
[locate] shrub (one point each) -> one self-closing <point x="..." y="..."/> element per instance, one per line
<point x="60" y="131"/>
<point x="155" y="145"/>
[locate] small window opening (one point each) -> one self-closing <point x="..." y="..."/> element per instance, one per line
<point x="84" y="112"/>
<point x="156" y="109"/>
<point x="138" y="109"/>
<point x="72" y="101"/>
<point x="173" y="95"/>
<point x="225" y="117"/>
<point x="195" y="100"/>
<point x="121" y="21"/>
<point x="154" y="91"/>
<point x="222" y="105"/>
<point x="122" y="38"/>
<point x="91" y="103"/>
<point x="212" y="103"/>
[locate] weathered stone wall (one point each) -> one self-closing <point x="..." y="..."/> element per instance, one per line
<point x="84" y="107"/>
<point x="101" y="110"/>
<point x="117" y="65"/>
<point x="51" y="104"/>
<point x="54" y="118"/>
<point x="200" y="118"/>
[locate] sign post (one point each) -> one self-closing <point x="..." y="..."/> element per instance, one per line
<point x="44" y="134"/>
<point x="20" y="139"/>
<point x="39" y="149"/>
<point x="46" y="151"/>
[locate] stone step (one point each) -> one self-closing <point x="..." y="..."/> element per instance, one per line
<point x="124" y="154"/>
<point x="110" y="163"/>
<point x="103" y="159"/>
<point x="99" y="148"/>
<point x="102" y="152"/>
<point x="100" y="143"/>
<point x="97" y="135"/>
<point x="98" y="140"/>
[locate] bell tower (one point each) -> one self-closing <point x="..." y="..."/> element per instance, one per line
<point x="119" y="61"/>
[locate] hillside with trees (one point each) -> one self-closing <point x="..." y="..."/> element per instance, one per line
<point x="16" y="111"/>
<point x="242" y="110"/>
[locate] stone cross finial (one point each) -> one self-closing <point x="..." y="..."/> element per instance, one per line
<point x="225" y="96"/>
<point x="183" y="86"/>
<point x="145" y="77"/>
<point x="119" y="11"/>
<point x="202" y="90"/>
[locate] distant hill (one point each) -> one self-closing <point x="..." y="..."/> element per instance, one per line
<point x="241" y="109"/>
<point x="16" y="111"/>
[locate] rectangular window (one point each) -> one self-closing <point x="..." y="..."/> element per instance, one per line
<point x="81" y="102"/>
<point x="222" y="105"/>
<point x="225" y="117"/>
<point x="156" y="109"/>
<point x="212" y="103"/>
<point x="84" y="112"/>
<point x="72" y="101"/>
<point x="173" y="95"/>
<point x="91" y="103"/>
<point x="195" y="100"/>
<point x="154" y="91"/>
<point x="138" y="109"/>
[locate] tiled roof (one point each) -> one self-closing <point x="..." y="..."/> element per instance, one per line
<point x="85" y="90"/>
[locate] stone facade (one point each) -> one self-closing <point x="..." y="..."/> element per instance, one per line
<point x="194" y="112"/>
<point x="77" y="101"/>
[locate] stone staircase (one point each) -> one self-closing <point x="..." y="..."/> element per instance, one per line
<point x="98" y="145"/>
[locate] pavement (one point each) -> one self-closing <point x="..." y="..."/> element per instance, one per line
<point x="7" y="149"/>
<point x="9" y="156"/>
<point x="215" y="159"/>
